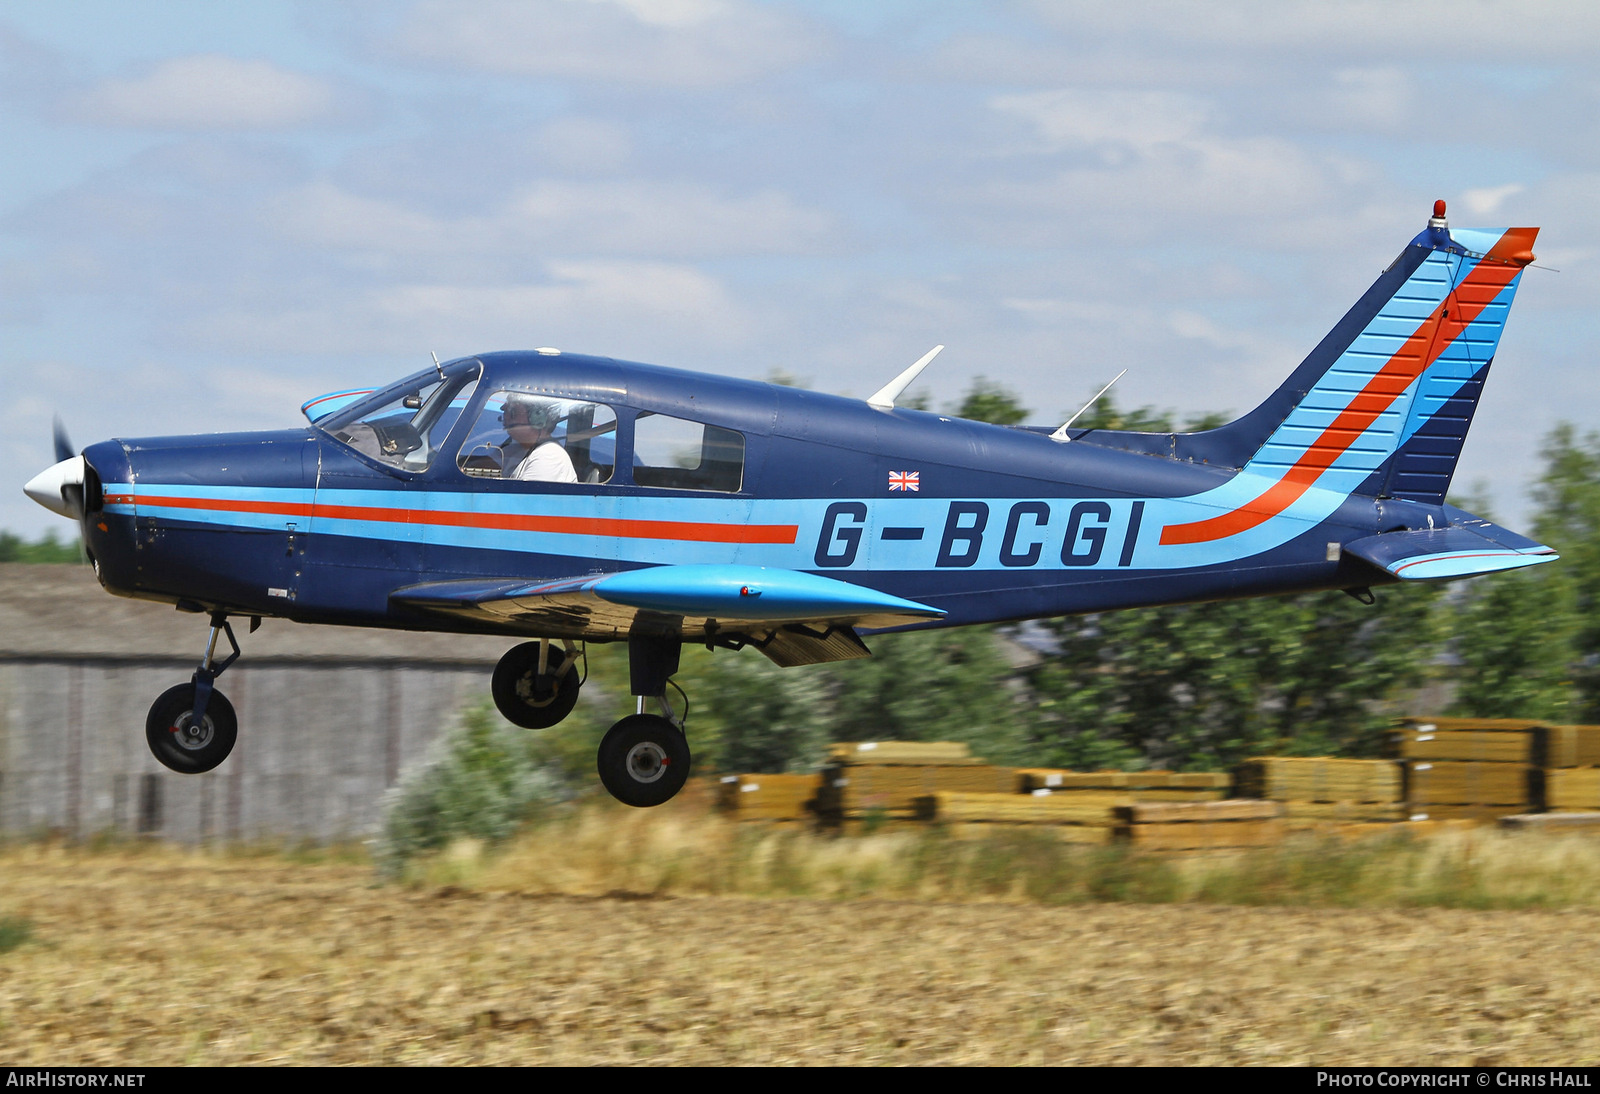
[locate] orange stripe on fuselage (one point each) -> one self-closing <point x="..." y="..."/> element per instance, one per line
<point x="1454" y="314"/>
<point x="617" y="528"/>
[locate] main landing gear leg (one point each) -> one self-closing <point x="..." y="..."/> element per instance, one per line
<point x="644" y="759"/>
<point x="191" y="728"/>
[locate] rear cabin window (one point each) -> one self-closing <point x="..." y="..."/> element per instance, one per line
<point x="678" y="454"/>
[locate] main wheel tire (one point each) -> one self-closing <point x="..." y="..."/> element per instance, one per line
<point x="643" y="760"/>
<point x="525" y="697"/>
<point x="170" y="732"/>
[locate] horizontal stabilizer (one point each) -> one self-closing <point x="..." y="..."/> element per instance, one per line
<point x="1453" y="551"/>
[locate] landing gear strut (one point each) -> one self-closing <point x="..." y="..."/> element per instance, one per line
<point x="192" y="727"/>
<point x="535" y="686"/>
<point x="644" y="759"/>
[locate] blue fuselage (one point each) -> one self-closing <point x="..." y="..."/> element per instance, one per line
<point x="987" y="523"/>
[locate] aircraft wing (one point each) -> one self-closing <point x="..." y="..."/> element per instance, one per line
<point x="795" y="618"/>
<point x="1452" y="551"/>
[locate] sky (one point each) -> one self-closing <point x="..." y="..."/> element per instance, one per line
<point x="211" y="213"/>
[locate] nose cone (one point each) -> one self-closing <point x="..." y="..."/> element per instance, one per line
<point x="59" y="488"/>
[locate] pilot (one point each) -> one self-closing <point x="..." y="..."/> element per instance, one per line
<point x="534" y="456"/>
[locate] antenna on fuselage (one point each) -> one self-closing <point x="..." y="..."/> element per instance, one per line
<point x="1061" y="434"/>
<point x="436" y="363"/>
<point x="888" y="393"/>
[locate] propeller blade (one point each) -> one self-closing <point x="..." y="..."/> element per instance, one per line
<point x="64" y="449"/>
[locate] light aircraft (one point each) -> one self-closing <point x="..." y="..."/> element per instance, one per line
<point x="569" y="499"/>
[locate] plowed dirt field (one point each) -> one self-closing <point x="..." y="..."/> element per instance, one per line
<point x="160" y="958"/>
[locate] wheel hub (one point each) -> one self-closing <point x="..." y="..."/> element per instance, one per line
<point x="536" y="690"/>
<point x="191" y="736"/>
<point x="647" y="762"/>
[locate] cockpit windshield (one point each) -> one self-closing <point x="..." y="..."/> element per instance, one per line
<point x="406" y="424"/>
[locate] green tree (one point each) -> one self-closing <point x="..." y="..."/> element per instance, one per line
<point x="1516" y="646"/>
<point x="1202" y="686"/>
<point x="481" y="781"/>
<point x="1105" y="414"/>
<point x="46" y="549"/>
<point x="1568" y="495"/>
<point x="750" y="715"/>
<point x="943" y="685"/>
<point x="987" y="401"/>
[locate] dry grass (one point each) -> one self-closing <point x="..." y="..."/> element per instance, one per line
<point x="682" y="851"/>
<point x="153" y="956"/>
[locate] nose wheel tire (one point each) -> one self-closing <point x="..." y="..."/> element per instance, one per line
<point x="178" y="742"/>
<point x="531" y="699"/>
<point x="643" y="760"/>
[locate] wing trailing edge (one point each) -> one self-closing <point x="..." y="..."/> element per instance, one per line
<point x="794" y="617"/>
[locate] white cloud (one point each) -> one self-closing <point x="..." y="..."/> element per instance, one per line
<point x="633" y="218"/>
<point x="1133" y="160"/>
<point x="1433" y="29"/>
<point x="1486" y="201"/>
<point x="682" y="43"/>
<point x="622" y="291"/>
<point x="594" y="305"/>
<point x="1090" y="117"/>
<point x="209" y="91"/>
<point x="585" y="145"/>
<point x="1378" y="98"/>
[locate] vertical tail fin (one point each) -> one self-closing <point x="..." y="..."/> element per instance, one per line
<point x="1383" y="404"/>
<point x="1400" y="394"/>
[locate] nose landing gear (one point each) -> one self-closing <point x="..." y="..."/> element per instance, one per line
<point x="534" y="690"/>
<point x="191" y="728"/>
<point x="184" y="743"/>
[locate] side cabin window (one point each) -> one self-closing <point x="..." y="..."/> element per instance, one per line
<point x="677" y="454"/>
<point x="534" y="438"/>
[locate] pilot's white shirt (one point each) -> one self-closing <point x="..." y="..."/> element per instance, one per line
<point x="547" y="463"/>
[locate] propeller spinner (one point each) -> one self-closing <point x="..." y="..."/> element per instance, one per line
<point x="59" y="487"/>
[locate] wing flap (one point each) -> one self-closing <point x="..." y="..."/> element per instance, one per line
<point x="769" y="606"/>
<point x="1452" y="551"/>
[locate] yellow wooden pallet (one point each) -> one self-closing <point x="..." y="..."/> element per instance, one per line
<point x="1423" y="743"/>
<point x="1452" y="783"/>
<point x="1569" y="746"/>
<point x="852" y="789"/>
<point x="1437" y="811"/>
<point x="1202" y="835"/>
<point x="1318" y="778"/>
<point x="1347" y="811"/>
<point x="1082" y="808"/>
<point x="1049" y="778"/>
<point x="1572" y="788"/>
<point x="1233" y="810"/>
<point x="901" y="752"/>
<point x="767" y="797"/>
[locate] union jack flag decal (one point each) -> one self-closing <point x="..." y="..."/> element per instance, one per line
<point x="905" y="480"/>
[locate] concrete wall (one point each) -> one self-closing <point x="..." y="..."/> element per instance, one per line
<point x="319" y="743"/>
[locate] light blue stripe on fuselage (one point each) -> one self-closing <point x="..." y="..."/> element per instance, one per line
<point x="1038" y="541"/>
